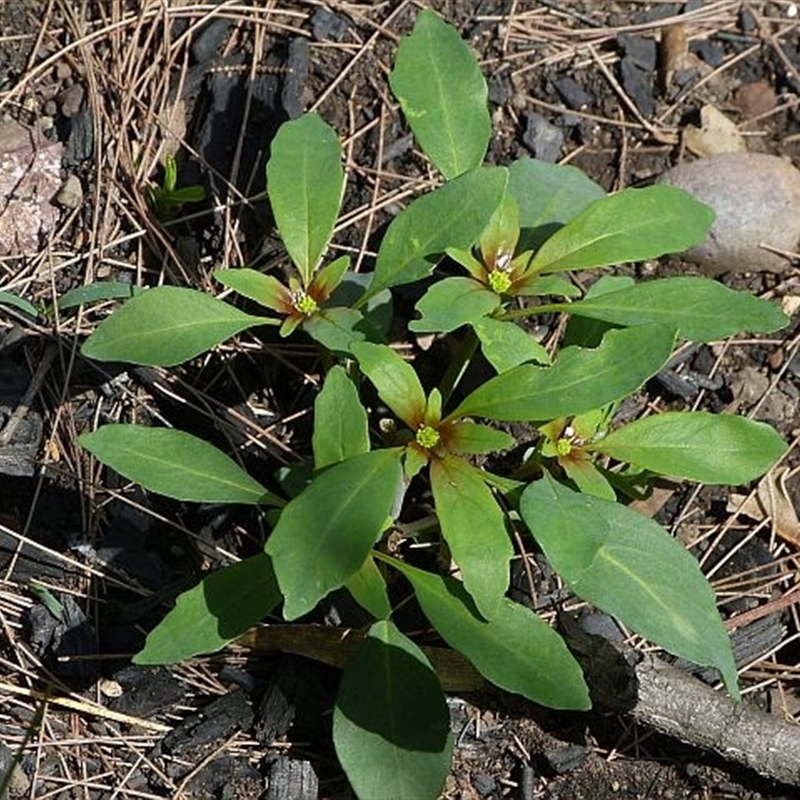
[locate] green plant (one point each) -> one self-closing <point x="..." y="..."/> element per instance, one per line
<point x="518" y="232"/>
<point x="167" y="200"/>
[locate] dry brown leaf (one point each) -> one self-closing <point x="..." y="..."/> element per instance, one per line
<point x="771" y="499"/>
<point x="717" y="134"/>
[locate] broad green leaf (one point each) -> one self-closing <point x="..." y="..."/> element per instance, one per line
<point x="515" y="650"/>
<point x="264" y="289"/>
<point x="336" y="329"/>
<point x="505" y="345"/>
<point x="369" y="589"/>
<point x="10" y="299"/>
<point x="628" y="566"/>
<point x="414" y="460"/>
<point x="94" y="292"/>
<point x="631" y="225"/>
<point x="433" y="408"/>
<point x="327" y="279"/>
<point x="324" y="534"/>
<point x="378" y="309"/>
<point x="468" y="261"/>
<point x="474" y="527"/>
<point x="699" y="446"/>
<point x="586" y="332"/>
<point x="550" y="193"/>
<point x="166" y="326"/>
<point x="305" y="180"/>
<point x="397" y="383"/>
<point x="606" y="284"/>
<point x="176" y="464"/>
<point x="443" y="95"/>
<point x="391" y="726"/>
<point x="588" y="478"/>
<point x="464" y="436"/>
<point x="578" y="381"/>
<point x="702" y="309"/>
<point x="538" y="285"/>
<point x="548" y="196"/>
<point x="340" y="421"/>
<point x="451" y="303"/>
<point x="499" y="238"/>
<point x="451" y="216"/>
<point x="220" y="608"/>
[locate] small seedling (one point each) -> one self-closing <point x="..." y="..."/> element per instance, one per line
<point x="166" y="201"/>
<point x="518" y="232"/>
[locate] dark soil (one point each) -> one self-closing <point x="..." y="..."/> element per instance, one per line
<point x="118" y="85"/>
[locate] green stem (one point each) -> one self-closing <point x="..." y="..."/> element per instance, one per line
<point x="520" y="313"/>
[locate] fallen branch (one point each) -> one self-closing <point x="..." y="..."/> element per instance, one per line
<point x="679" y="705"/>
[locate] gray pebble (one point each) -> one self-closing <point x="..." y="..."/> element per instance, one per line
<point x="756" y="198"/>
<point x="541" y="138"/>
<point x="70" y="195"/>
<point x="70" y="100"/>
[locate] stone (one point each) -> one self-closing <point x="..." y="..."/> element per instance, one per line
<point x="30" y="168"/>
<point x="17" y="782"/>
<point x="325" y="25"/>
<point x="70" y="195"/>
<point x="756" y="199"/>
<point x="543" y="139"/>
<point x="69" y="101"/>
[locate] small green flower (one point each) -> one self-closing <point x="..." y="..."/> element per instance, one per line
<point x="499" y="281"/>
<point x="427" y="437"/>
<point x="304" y="303"/>
<point x="563" y="447"/>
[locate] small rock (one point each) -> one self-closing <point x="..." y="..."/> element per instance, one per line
<point x="18" y="456"/>
<point x="712" y="53"/>
<point x="69" y="101"/>
<point x="70" y="195"/>
<point x="17" y="782"/>
<point x="640" y="50"/>
<point x="572" y="93"/>
<point x="756" y="198"/>
<point x="29" y="177"/>
<point x="567" y="759"/>
<point x="484" y="784"/>
<point x="327" y="25"/>
<point x="755" y="99"/>
<point x="80" y="142"/>
<point x="542" y="139"/>
<point x="638" y="83"/>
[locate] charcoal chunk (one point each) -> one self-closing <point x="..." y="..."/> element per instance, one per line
<point x="218" y="720"/>
<point x="146" y="691"/>
<point x="290" y="779"/>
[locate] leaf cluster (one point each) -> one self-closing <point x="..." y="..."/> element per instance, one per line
<point x="517" y="233"/>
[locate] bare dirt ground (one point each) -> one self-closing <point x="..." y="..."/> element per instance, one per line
<point x="121" y="85"/>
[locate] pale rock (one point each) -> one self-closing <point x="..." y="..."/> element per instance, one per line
<point x="70" y="195"/>
<point x="756" y="198"/>
<point x="30" y="167"/>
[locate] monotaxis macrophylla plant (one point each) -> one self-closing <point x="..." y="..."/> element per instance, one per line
<point x="518" y="231"/>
